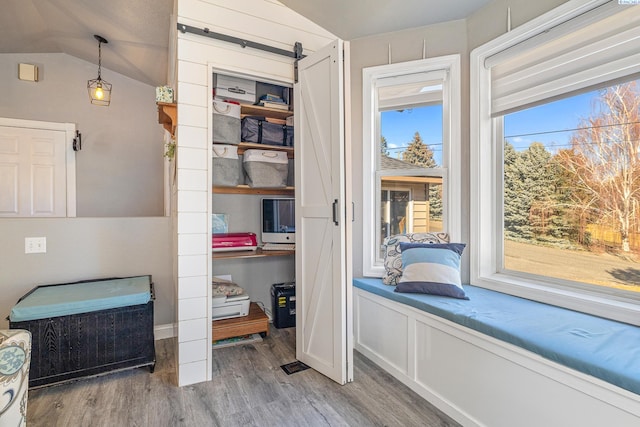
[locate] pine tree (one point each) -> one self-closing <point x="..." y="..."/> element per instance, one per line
<point x="384" y="148"/>
<point x="419" y="153"/>
<point x="530" y="197"/>
<point x="516" y="223"/>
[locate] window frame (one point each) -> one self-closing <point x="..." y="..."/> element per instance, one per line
<point x="486" y="220"/>
<point x="451" y="158"/>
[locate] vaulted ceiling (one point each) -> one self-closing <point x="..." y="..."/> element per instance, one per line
<point x="138" y="30"/>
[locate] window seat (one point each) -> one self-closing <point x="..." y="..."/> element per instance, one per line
<point x="599" y="347"/>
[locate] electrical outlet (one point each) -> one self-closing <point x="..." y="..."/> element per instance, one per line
<point x="35" y="245"/>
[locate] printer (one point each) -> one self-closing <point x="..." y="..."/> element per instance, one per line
<point x="227" y="307"/>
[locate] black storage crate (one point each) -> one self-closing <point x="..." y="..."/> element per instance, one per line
<point x="70" y="347"/>
<point x="283" y="304"/>
<point x="257" y="129"/>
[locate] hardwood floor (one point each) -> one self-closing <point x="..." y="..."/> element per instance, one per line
<point x="249" y="389"/>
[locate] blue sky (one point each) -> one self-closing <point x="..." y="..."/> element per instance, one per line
<point x="550" y="123"/>
<point x="399" y="128"/>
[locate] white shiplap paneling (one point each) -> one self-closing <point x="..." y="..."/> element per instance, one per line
<point x="257" y="20"/>
<point x="193" y="287"/>
<point x="194" y="137"/>
<point x="263" y="21"/>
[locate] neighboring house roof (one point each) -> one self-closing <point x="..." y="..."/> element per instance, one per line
<point x="387" y="162"/>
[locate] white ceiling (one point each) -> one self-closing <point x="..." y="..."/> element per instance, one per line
<point x="352" y="19"/>
<point x="138" y="30"/>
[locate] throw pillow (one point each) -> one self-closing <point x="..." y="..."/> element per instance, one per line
<point x="392" y="258"/>
<point x="431" y="269"/>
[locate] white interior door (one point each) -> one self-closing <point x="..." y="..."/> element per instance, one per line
<point x="32" y="172"/>
<point x="322" y="298"/>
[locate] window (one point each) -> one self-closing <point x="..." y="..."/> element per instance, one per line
<point x="554" y="149"/>
<point x="411" y="152"/>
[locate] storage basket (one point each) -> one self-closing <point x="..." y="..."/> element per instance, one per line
<point x="231" y="87"/>
<point x="87" y="328"/>
<point x="226" y="122"/>
<point x="227" y="166"/>
<point x="266" y="168"/>
<point x="257" y="129"/>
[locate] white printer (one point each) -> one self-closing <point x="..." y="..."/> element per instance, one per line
<point x="227" y="307"/>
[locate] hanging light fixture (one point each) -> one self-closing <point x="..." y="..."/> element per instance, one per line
<point x="99" y="90"/>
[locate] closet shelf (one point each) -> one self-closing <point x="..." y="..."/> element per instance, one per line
<point x="252" y="145"/>
<point x="256" y="110"/>
<point x="245" y="189"/>
<point x="258" y="253"/>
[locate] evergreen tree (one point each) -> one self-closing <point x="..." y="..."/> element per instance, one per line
<point x="384" y="149"/>
<point x="419" y="153"/>
<point x="516" y="222"/>
<point x="530" y="198"/>
<point x="540" y="184"/>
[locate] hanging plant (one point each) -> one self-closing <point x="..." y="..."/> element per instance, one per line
<point x="170" y="152"/>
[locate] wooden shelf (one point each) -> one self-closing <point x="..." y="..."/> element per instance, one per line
<point x="243" y="146"/>
<point x="256" y="110"/>
<point x="168" y="116"/>
<point x="256" y="322"/>
<point x="258" y="253"/>
<point x="245" y="189"/>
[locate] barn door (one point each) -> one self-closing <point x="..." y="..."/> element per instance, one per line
<point x="322" y="298"/>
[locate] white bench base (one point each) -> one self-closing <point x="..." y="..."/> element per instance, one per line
<point x="479" y="380"/>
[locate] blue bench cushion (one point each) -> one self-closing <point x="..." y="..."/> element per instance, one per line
<point x="603" y="348"/>
<point x="74" y="298"/>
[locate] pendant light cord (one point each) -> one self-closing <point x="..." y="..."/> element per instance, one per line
<point x="99" y="58"/>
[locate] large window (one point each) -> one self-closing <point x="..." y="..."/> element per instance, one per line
<point x="555" y="160"/>
<point x="411" y="152"/>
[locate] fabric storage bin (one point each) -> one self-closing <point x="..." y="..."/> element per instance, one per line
<point x="239" y="89"/>
<point x="227" y="166"/>
<point x="226" y="122"/>
<point x="266" y="168"/>
<point x="257" y="129"/>
<point x="87" y="328"/>
<point x="291" y="178"/>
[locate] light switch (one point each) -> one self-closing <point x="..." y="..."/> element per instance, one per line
<point x="28" y="72"/>
<point x="35" y="245"/>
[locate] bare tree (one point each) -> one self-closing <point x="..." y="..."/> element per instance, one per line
<point x="603" y="160"/>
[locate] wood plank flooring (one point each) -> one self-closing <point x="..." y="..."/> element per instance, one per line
<point x="249" y="389"/>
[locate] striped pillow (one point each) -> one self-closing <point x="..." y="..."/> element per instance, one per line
<point x="392" y="258"/>
<point x="431" y="269"/>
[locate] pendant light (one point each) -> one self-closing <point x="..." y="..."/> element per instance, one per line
<point x="99" y="90"/>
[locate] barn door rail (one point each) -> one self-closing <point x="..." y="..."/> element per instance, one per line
<point x="205" y="32"/>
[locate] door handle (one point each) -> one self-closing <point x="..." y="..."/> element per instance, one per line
<point x="335" y="212"/>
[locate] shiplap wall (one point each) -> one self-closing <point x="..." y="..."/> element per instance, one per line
<point x="263" y="21"/>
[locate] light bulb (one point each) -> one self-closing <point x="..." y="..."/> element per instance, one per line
<point x="99" y="93"/>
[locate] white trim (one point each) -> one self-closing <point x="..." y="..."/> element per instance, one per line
<point x="168" y="330"/>
<point x="486" y="208"/>
<point x="460" y="352"/>
<point x="448" y="69"/>
<point x="70" y="156"/>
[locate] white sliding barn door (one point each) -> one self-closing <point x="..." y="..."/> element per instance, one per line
<point x="33" y="178"/>
<point x="322" y="301"/>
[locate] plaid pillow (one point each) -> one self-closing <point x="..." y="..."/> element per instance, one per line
<point x="392" y="252"/>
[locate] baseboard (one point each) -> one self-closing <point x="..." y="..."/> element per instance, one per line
<point x="164" y="331"/>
